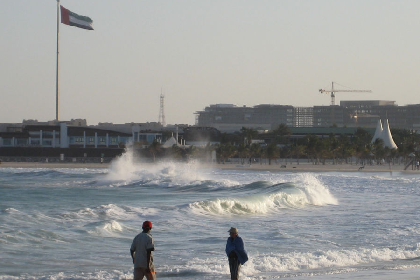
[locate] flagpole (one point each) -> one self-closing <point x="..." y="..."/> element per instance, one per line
<point x="56" y="76"/>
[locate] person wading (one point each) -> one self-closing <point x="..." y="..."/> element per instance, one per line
<point x="236" y="253"/>
<point x="141" y="252"/>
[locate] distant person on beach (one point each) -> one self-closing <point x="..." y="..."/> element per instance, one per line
<point x="141" y="252"/>
<point x="236" y="253"/>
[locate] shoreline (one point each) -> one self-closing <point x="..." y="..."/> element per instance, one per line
<point x="302" y="167"/>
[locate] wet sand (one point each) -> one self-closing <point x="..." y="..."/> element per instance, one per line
<point x="301" y="167"/>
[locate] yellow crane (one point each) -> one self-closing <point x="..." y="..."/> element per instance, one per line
<point x="332" y="91"/>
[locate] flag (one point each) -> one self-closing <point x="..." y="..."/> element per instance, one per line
<point x="73" y="19"/>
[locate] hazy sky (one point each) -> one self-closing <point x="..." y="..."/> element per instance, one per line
<point x="202" y="52"/>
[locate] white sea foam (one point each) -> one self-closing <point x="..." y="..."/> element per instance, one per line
<point x="257" y="204"/>
<point x="110" y="211"/>
<point x="108" y="229"/>
<point x="316" y="192"/>
<point x="125" y="170"/>
<point x="99" y="275"/>
<point x="305" y="190"/>
<point x="328" y="259"/>
<point x="306" y="263"/>
<point x="11" y="211"/>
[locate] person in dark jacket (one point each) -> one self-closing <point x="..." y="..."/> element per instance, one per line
<point x="236" y="253"/>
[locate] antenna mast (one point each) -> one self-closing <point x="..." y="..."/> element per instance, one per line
<point x="57" y="69"/>
<point x="161" y="111"/>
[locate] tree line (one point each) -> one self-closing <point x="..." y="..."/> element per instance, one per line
<point x="278" y="143"/>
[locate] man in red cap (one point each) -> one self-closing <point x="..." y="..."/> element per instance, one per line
<point x="141" y="252"/>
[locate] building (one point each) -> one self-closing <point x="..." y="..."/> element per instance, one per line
<point x="201" y="136"/>
<point x="230" y="118"/>
<point x="303" y="116"/>
<point x="412" y="116"/>
<point x="326" y="116"/>
<point x="360" y="113"/>
<point x="63" y="136"/>
<point x="129" y="127"/>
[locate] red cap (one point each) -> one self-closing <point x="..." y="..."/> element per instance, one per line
<point x="147" y="224"/>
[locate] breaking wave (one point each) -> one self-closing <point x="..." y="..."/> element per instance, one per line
<point x="263" y="198"/>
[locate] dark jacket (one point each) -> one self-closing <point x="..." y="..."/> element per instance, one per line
<point x="237" y="245"/>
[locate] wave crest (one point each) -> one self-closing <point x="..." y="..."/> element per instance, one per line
<point x="261" y="198"/>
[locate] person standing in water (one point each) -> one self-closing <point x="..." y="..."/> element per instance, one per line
<point x="141" y="253"/>
<point x="236" y="253"/>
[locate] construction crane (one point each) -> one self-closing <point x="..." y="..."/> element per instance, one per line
<point x="339" y="90"/>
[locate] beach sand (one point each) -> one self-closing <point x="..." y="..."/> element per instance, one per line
<point x="301" y="167"/>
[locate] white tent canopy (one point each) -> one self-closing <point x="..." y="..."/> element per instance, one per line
<point x="384" y="134"/>
<point x="378" y="131"/>
<point x="171" y="141"/>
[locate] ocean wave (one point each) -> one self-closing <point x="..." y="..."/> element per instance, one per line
<point x="99" y="275"/>
<point x="290" y="265"/>
<point x="110" y="228"/>
<point x="11" y="211"/>
<point x="38" y="237"/>
<point x="316" y="192"/>
<point x="253" y="204"/>
<point x="298" y="261"/>
<point x="264" y="198"/>
<point x="48" y="172"/>
<point x="109" y="211"/>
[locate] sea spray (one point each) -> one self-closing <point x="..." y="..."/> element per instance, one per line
<point x="123" y="168"/>
<point x="127" y="169"/>
<point x="315" y="190"/>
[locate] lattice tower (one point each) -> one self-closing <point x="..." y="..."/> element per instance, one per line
<point x="162" y="111"/>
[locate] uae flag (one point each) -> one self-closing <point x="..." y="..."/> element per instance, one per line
<point x="73" y="19"/>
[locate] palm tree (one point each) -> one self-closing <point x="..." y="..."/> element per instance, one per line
<point x="175" y="152"/>
<point x="208" y="149"/>
<point x="333" y="146"/>
<point x="243" y="152"/>
<point x="282" y="133"/>
<point x="256" y="151"/>
<point x="379" y="150"/>
<point x="272" y="152"/>
<point x="322" y="150"/>
<point x="225" y="151"/>
<point x="192" y="152"/>
<point x="155" y="148"/>
<point x="345" y="149"/>
<point x="248" y="134"/>
<point x="311" y="146"/>
<point x="361" y="144"/>
<point x="297" y="151"/>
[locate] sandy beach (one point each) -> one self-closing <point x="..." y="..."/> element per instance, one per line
<point x="301" y="167"/>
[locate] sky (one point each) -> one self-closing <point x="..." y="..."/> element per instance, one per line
<point x="203" y="52"/>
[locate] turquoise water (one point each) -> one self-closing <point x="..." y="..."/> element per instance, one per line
<point x="79" y="223"/>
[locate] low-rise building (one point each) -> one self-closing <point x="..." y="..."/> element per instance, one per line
<point x="63" y="136"/>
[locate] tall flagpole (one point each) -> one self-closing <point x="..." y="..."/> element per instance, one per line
<point x="56" y="76"/>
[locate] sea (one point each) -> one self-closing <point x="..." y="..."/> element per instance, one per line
<point x="78" y="223"/>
